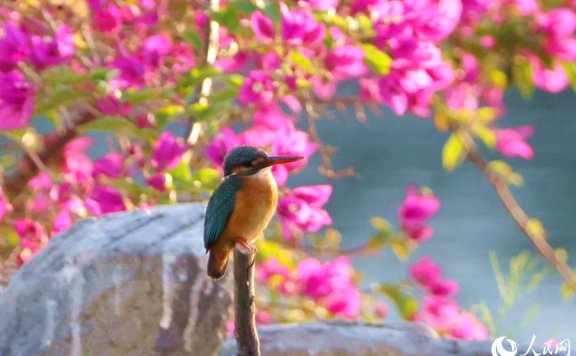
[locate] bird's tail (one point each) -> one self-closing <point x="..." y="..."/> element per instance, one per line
<point x="218" y="262"/>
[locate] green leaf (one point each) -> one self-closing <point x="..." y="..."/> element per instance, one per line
<point x="182" y="172"/>
<point x="453" y="152"/>
<point x="272" y="11"/>
<point x="133" y="96"/>
<point x="406" y="305"/>
<point x="243" y="7"/>
<point x="378" y="60"/>
<point x="197" y="75"/>
<point x="380" y="224"/>
<point x="64" y="75"/>
<point x="570" y="69"/>
<point x="567" y="292"/>
<point x="58" y="99"/>
<point x="302" y="61"/>
<point x="522" y="73"/>
<point x="9" y="240"/>
<point x="486" y="135"/>
<point x="168" y="111"/>
<point x="227" y="18"/>
<point x="202" y="112"/>
<point x="107" y="124"/>
<point x="193" y="38"/>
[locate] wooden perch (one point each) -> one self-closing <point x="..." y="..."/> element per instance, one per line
<point x="244" y="305"/>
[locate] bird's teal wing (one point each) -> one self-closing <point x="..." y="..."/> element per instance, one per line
<point x="219" y="209"/>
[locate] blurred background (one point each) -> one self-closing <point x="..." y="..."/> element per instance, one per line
<point x="390" y="152"/>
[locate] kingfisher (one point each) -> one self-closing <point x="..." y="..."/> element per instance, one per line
<point x="242" y="206"/>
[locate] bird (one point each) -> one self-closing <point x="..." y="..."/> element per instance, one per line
<point x="242" y="206"/>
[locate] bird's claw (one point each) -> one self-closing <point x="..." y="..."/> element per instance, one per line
<point x="245" y="247"/>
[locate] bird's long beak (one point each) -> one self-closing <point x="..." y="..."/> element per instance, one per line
<point x="274" y="160"/>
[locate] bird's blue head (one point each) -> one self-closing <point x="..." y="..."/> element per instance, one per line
<point x="248" y="160"/>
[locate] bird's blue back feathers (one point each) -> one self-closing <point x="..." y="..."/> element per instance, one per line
<point x="220" y="208"/>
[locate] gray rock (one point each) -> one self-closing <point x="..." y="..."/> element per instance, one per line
<point x="347" y="339"/>
<point x="126" y="284"/>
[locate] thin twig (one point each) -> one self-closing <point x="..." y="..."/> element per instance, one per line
<point x="326" y="168"/>
<point x="536" y="237"/>
<point x="212" y="38"/>
<point x="244" y="305"/>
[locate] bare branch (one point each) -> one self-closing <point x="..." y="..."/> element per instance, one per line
<point x="244" y="305"/>
<point x="536" y="237"/>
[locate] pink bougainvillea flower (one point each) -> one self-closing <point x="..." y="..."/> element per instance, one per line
<point x="559" y="22"/>
<point x="345" y="62"/>
<point x="110" y="165"/>
<point x="262" y="27"/>
<point x="167" y="151"/>
<point x="301" y="209"/>
<point x="184" y="58"/>
<point x="467" y="327"/>
<point x="324" y="88"/>
<point x="5" y="206"/>
<point x="104" y="200"/>
<point x="300" y="28"/>
<point x="48" y="52"/>
<point x="14" y="47"/>
<point x="107" y="20"/>
<point x="154" y="49"/>
<point x="258" y="87"/>
<point x="157" y="181"/>
<point x="414" y="212"/>
<point x="345" y="303"/>
<point x="392" y="94"/>
<point x="110" y="105"/>
<point x="270" y="268"/>
<point x="16" y="100"/>
<point x="264" y="318"/>
<point x="425" y="272"/>
<point x="512" y="142"/>
<point x="222" y="143"/>
<point x="131" y="74"/>
<point x="318" y="280"/>
<point x="439" y="313"/>
<point x="330" y="284"/>
<point x="322" y="5"/>
<point x="553" y="80"/>
<point x="435" y="22"/>
<point x="32" y="239"/>
<point x="444" y="288"/>
<point x="564" y="48"/>
<point x="76" y="165"/>
<point x="62" y="222"/>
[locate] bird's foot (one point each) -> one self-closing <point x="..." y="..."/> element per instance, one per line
<point x="246" y="247"/>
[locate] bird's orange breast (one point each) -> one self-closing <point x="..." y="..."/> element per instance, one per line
<point x="254" y="207"/>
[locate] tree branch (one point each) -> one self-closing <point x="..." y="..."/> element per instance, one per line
<point x="244" y="305"/>
<point x="30" y="164"/>
<point x="537" y="237"/>
<point x="211" y="40"/>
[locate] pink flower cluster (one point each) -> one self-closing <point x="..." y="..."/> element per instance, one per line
<point x="85" y="187"/>
<point x="512" y="142"/>
<point x="329" y="284"/>
<point x="300" y="209"/>
<point x="415" y="211"/>
<point x="438" y="310"/>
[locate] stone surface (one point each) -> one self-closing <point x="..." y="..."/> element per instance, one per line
<point x="356" y="339"/>
<point x="126" y="284"/>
